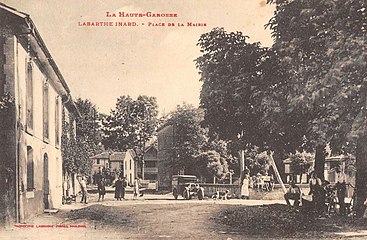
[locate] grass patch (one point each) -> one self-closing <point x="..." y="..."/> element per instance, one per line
<point x="279" y="220"/>
<point x="102" y="214"/>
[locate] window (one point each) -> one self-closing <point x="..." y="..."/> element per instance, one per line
<point x="57" y="122"/>
<point x="30" y="169"/>
<point x="151" y="164"/>
<point x="45" y="112"/>
<point x="149" y="176"/>
<point x="29" y="92"/>
<point x="98" y="162"/>
<point x="130" y="164"/>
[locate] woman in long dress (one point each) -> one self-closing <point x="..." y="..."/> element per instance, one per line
<point x="136" y="188"/>
<point x="245" y="192"/>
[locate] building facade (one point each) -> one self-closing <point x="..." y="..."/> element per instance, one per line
<point x="165" y="143"/>
<point x="151" y="163"/>
<point x="31" y="126"/>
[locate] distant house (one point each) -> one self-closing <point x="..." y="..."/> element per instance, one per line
<point x="31" y="173"/>
<point x="122" y="162"/>
<point x="346" y="163"/>
<point x="100" y="161"/>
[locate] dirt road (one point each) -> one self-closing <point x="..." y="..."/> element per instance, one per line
<point x="151" y="217"/>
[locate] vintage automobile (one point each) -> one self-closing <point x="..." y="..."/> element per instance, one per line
<point x="186" y="186"/>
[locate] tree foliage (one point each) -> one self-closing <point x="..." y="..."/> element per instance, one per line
<point x="231" y="72"/>
<point x="88" y="125"/>
<point x="257" y="162"/>
<point x="192" y="151"/>
<point x="80" y="143"/>
<point x="188" y="137"/>
<point x="321" y="49"/>
<point x="211" y="163"/>
<point x="131" y="124"/>
<point x="301" y="162"/>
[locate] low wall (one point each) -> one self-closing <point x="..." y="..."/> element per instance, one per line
<point x="210" y="188"/>
<point x="235" y="191"/>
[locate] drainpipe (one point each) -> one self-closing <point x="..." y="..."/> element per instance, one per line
<point x="18" y="128"/>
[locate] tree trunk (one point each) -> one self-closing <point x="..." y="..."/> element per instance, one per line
<point x="142" y="169"/>
<point x="361" y="175"/>
<point x="320" y="161"/>
<point x="242" y="165"/>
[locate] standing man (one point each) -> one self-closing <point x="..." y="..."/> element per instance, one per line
<point x="101" y="189"/>
<point x="83" y="187"/>
<point x="118" y="189"/>
<point x="341" y="189"/>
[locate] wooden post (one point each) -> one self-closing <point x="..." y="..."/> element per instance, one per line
<point x="277" y="172"/>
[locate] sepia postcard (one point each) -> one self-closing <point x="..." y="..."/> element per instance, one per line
<point x="111" y="115"/>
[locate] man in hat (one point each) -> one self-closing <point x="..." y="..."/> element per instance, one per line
<point x="341" y="189"/>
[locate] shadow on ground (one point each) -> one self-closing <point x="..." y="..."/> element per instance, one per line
<point x="282" y="221"/>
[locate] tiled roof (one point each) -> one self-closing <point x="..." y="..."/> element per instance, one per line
<point x="103" y="155"/>
<point x="113" y="156"/>
<point x="118" y="156"/>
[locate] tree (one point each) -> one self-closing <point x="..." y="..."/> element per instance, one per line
<point x="131" y="125"/>
<point x="188" y="137"/>
<point x="321" y="45"/>
<point x="78" y="145"/>
<point x="258" y="162"/>
<point x="230" y="69"/>
<point x="239" y="95"/>
<point x="191" y="152"/>
<point x="211" y="163"/>
<point x="88" y="125"/>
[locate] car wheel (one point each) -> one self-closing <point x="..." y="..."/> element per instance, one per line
<point x="186" y="194"/>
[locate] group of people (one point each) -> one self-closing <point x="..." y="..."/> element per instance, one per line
<point x="120" y="187"/>
<point x="258" y="182"/>
<point x="318" y="192"/>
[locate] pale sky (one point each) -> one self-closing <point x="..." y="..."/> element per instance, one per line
<point x="103" y="63"/>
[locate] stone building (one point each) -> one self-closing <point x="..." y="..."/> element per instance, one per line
<point x="31" y="124"/>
